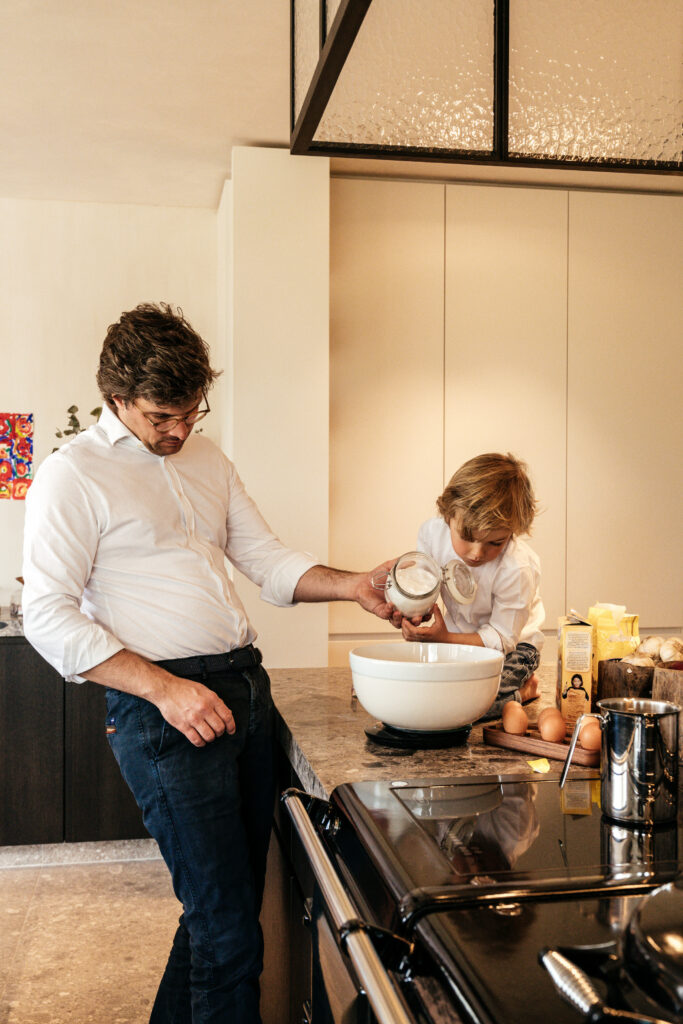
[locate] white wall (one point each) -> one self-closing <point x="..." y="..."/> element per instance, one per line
<point x="273" y="236"/>
<point x="68" y="270"/>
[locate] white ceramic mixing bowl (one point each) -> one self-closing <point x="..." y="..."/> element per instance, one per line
<point x="425" y="686"/>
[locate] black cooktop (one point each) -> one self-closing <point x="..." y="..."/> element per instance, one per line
<point x="485" y="873"/>
<point x="495" y="833"/>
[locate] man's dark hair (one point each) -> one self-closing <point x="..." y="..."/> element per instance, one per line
<point x="152" y="352"/>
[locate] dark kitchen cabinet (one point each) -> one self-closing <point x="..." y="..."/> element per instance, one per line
<point x="301" y="963"/>
<point x="31" y="747"/>
<point x="286" y="920"/>
<point x="97" y="802"/>
<point x="59" y="780"/>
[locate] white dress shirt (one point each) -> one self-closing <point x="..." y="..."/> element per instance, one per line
<point x="507" y="608"/>
<point x="126" y="549"/>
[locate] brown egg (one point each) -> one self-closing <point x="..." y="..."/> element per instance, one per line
<point x="590" y="736"/>
<point x="553" y="727"/>
<point x="546" y="713"/>
<point x="515" y="718"/>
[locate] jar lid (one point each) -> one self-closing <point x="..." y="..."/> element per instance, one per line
<point x="460" y="582"/>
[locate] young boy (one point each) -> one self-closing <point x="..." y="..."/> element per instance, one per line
<point x="486" y="505"/>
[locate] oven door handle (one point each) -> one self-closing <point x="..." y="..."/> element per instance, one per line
<point x="386" y="1000"/>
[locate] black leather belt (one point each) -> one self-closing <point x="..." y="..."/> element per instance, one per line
<point x="231" y="661"/>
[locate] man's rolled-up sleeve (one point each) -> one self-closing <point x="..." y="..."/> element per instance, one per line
<point x="61" y="535"/>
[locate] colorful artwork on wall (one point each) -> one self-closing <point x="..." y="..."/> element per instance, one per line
<point x="16" y="454"/>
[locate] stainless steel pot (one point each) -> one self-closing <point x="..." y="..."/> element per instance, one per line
<point x="639" y="759"/>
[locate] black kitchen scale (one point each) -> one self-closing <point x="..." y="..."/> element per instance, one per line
<point x="417" y="739"/>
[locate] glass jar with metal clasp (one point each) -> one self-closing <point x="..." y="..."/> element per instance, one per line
<point x="414" y="582"/>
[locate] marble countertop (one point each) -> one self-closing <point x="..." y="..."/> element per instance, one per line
<point x="321" y="728"/>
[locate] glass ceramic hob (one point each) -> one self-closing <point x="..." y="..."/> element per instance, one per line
<point x="483" y="874"/>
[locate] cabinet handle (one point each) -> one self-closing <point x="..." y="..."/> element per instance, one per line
<point x="306" y="1012"/>
<point x="307" y="916"/>
<point x="384" y="997"/>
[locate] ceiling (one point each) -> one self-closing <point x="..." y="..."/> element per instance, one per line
<point x="141" y="101"/>
<point x="138" y="101"/>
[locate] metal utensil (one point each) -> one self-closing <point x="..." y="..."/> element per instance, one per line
<point x="576" y="988"/>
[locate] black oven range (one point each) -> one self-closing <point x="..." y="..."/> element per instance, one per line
<point x="490" y="900"/>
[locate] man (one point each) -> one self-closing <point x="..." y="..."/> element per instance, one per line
<point x="127" y="529"/>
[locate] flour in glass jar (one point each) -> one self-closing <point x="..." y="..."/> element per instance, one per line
<point x="415" y="580"/>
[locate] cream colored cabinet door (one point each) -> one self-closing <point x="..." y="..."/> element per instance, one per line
<point x="625" y="426"/>
<point x="506" y="348"/>
<point x="386" y="376"/>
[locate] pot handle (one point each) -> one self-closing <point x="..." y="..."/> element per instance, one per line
<point x="572" y="745"/>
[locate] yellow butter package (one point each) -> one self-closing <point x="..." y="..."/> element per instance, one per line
<point x="615" y="633"/>
<point x="574" y="665"/>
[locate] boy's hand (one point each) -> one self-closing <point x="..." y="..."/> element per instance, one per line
<point x="435" y="632"/>
<point x="397" y="618"/>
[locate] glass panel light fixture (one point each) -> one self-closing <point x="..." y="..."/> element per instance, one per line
<point x="607" y="85"/>
<point x="305" y="47"/>
<point x="427" y="86"/>
<point x="581" y="83"/>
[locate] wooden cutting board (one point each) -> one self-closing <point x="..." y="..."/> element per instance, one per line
<point x="532" y="743"/>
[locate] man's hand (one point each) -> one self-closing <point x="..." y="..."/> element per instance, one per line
<point x="321" y="583"/>
<point x="192" y="708"/>
<point x="195" y="710"/>
<point x="371" y="596"/>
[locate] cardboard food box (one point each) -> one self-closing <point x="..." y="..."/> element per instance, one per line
<point x="615" y="634"/>
<point x="574" y="667"/>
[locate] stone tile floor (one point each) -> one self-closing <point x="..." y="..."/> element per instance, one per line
<point x="85" y="930"/>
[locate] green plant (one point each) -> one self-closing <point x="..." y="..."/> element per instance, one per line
<point x="73" y="424"/>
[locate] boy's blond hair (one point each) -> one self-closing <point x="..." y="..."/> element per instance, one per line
<point x="489" y="492"/>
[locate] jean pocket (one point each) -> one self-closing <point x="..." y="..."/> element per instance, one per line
<point x="261" y="709"/>
<point x="154" y="728"/>
<point x="158" y="744"/>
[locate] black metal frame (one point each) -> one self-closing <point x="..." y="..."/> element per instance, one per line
<point x="335" y="48"/>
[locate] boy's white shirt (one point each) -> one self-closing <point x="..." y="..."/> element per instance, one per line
<point x="507" y="608"/>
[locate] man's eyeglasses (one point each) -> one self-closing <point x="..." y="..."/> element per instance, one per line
<point x="166" y="423"/>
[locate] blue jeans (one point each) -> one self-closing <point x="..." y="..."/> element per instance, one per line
<point x="210" y="810"/>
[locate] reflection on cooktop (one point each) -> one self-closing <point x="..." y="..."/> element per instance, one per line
<point x="531" y="829"/>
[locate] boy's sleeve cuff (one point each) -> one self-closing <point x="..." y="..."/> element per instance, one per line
<point x="491" y="638"/>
